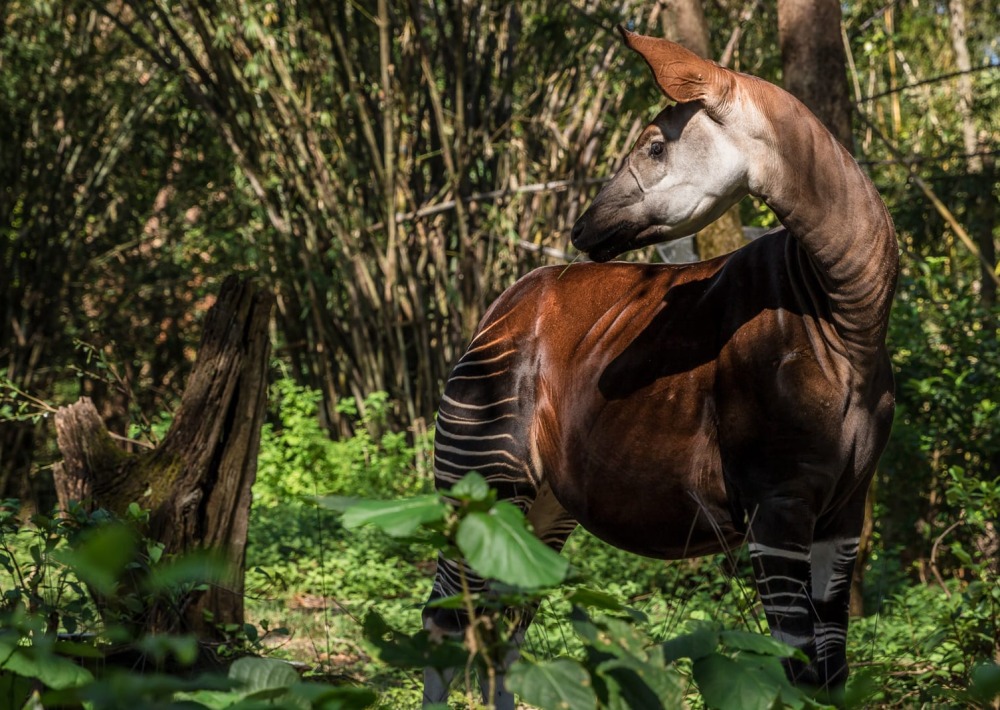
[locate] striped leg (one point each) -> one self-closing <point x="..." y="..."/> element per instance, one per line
<point x="553" y="527"/>
<point x="779" y="552"/>
<point x="483" y="425"/>
<point x="832" y="567"/>
<point x="446" y="623"/>
<point x="834" y="552"/>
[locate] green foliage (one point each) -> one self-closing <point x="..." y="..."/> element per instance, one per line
<point x="917" y="647"/>
<point x="298" y="459"/>
<point x="559" y="683"/>
<point x="621" y="667"/>
<point x="46" y="565"/>
<point x="499" y="546"/>
<point x="938" y="495"/>
<point x="63" y="574"/>
<point x="491" y="535"/>
<point x="299" y="549"/>
<point x="115" y="231"/>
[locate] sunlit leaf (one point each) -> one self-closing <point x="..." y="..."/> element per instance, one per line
<point x="263" y="678"/>
<point x="398" y="518"/>
<point x="471" y="486"/>
<point x="498" y="545"/>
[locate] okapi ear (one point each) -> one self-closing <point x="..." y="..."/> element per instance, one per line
<point x="680" y="73"/>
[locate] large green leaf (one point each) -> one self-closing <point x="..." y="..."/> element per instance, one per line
<point x="338" y="504"/>
<point x="726" y="684"/>
<point x="49" y="669"/>
<point x="498" y="545"/>
<point x="634" y="683"/>
<point x="561" y="684"/>
<point x="262" y="674"/>
<point x="471" y="487"/>
<point x="985" y="682"/>
<point x="694" y="645"/>
<point x="757" y="643"/>
<point x="399" y="518"/>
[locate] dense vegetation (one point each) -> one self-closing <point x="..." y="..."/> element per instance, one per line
<point x="386" y="170"/>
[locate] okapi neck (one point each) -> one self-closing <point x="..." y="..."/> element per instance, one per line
<point x="829" y="205"/>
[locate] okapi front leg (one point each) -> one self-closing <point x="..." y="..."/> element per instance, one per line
<point x="834" y="553"/>
<point x="779" y="552"/>
<point x="832" y="568"/>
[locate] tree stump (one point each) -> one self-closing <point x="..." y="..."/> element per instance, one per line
<point x="197" y="482"/>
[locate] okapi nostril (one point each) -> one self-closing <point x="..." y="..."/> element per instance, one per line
<point x="577" y="230"/>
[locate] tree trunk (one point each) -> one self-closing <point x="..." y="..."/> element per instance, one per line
<point x="983" y="202"/>
<point x="815" y="71"/>
<point x="813" y="62"/>
<point x="196" y="483"/>
<point x="684" y="22"/>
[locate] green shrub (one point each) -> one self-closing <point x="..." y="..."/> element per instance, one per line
<point x="298" y="459"/>
<point x="618" y="665"/>
<point x="73" y="584"/>
<point x="940" y="467"/>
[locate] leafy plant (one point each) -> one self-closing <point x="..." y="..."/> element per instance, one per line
<point x="74" y="582"/>
<point x="298" y="459"/>
<point x="621" y="666"/>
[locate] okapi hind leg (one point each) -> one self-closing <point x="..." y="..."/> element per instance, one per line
<point x="483" y="425"/>
<point x="833" y="564"/>
<point x="834" y="554"/>
<point x="553" y="526"/>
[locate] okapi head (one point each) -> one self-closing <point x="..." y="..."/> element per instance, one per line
<point x="690" y="165"/>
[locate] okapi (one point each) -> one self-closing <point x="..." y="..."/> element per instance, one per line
<point x="678" y="410"/>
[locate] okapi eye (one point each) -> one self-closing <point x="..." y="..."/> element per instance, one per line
<point x="656" y="149"/>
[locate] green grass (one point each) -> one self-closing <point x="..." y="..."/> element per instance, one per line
<point x="308" y="574"/>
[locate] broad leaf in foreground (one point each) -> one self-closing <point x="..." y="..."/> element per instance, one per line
<point x="498" y="545"/>
<point x="262" y="674"/>
<point x="50" y="670"/>
<point x="561" y="684"/>
<point x="726" y="684"/>
<point x="758" y="643"/>
<point x="399" y="518"/>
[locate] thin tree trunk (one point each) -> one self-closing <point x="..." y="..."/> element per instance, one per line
<point x="196" y="483"/>
<point x="970" y="140"/>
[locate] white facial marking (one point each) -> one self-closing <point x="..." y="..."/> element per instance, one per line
<point x="638" y="178"/>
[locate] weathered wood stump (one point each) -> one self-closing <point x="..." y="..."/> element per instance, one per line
<point x="197" y="482"/>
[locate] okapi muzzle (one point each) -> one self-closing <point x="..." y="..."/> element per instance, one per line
<point x="615" y="222"/>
